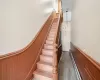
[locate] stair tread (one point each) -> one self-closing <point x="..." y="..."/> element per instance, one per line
<point x="51" y="44"/>
<point x="43" y="73"/>
<point x="47" y="55"/>
<point x="54" y="45"/>
<point x="45" y="63"/>
<point x="50" y="49"/>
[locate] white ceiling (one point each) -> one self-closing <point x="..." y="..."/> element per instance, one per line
<point x="66" y="5"/>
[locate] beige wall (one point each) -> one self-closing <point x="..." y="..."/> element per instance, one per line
<point x="66" y="5"/>
<point x="20" y="20"/>
<point x="86" y="26"/>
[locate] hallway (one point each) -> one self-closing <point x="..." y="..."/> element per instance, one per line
<point x="66" y="70"/>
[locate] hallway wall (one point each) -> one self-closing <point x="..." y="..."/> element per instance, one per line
<point x="86" y="27"/>
<point x="66" y="5"/>
<point x="20" y="20"/>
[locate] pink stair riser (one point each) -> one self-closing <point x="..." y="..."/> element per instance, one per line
<point x="48" y="59"/>
<point x="49" y="42"/>
<point x="44" y="67"/>
<point x="48" y="46"/>
<point x="50" y="38"/>
<point x="51" y="35"/>
<point x="41" y="75"/>
<point x="48" y="52"/>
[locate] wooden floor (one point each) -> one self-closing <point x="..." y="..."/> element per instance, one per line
<point x="66" y="70"/>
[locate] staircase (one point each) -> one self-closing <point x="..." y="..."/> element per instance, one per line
<point x="47" y="66"/>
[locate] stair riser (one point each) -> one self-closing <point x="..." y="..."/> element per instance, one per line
<point x="53" y="27"/>
<point x="46" y="52"/>
<point x="53" y="38"/>
<point x="49" y="54"/>
<point x="50" y="38"/>
<point x="52" y="32"/>
<point x="49" y="42"/>
<point x="45" y="67"/>
<point x="49" y="47"/>
<point x="46" y="59"/>
<point x="50" y="35"/>
<point x="40" y="77"/>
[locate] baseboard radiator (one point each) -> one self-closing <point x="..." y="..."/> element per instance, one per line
<point x="21" y="64"/>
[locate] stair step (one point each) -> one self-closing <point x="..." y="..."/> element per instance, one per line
<point x="50" y="38"/>
<point x="44" y="66"/>
<point x="46" y="63"/>
<point x="49" y="41"/>
<point x="49" y="46"/>
<point x="53" y="27"/>
<point x="45" y="58"/>
<point x="48" y="52"/>
<point x="51" y="35"/>
<point x="52" y="32"/>
<point x="41" y="75"/>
